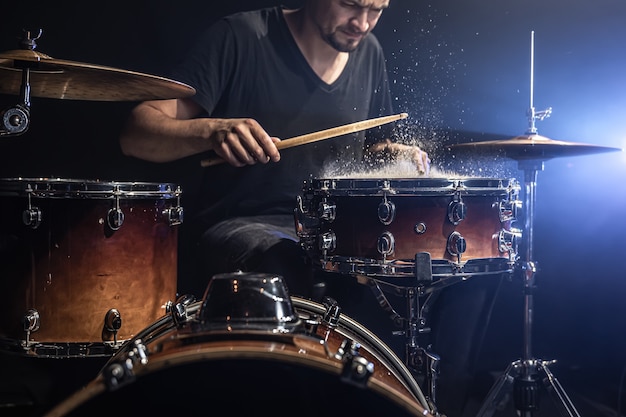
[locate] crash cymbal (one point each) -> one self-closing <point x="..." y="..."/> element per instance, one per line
<point x="70" y="80"/>
<point x="533" y="146"/>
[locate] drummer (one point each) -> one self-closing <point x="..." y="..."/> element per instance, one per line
<point x="267" y="75"/>
<point x="262" y="76"/>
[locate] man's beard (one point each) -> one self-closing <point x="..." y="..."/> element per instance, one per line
<point x="333" y="41"/>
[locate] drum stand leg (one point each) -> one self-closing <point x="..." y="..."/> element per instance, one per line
<point x="423" y="363"/>
<point x="522" y="375"/>
<point x="418" y="359"/>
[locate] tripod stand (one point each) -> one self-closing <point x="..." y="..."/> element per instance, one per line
<point x="530" y="150"/>
<point x="523" y="375"/>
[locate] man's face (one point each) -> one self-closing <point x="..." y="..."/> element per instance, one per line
<point x="343" y="23"/>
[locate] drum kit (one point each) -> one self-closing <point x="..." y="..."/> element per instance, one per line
<point x="74" y="267"/>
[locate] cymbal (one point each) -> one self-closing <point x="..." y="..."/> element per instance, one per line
<point x="534" y="146"/>
<point x="70" y="80"/>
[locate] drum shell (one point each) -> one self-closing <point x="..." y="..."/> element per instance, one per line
<point x="357" y="227"/>
<point x="341" y="224"/>
<point x="73" y="268"/>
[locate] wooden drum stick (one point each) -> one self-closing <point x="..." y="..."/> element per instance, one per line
<point x="322" y="134"/>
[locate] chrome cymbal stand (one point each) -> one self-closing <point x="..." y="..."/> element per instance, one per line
<point x="15" y="120"/>
<point x="523" y="375"/>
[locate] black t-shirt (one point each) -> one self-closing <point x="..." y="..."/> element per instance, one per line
<point x="248" y="65"/>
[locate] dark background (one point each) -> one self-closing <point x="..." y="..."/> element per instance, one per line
<point x="461" y="69"/>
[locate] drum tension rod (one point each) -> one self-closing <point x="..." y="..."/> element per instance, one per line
<point x="120" y="373"/>
<point x="115" y="216"/>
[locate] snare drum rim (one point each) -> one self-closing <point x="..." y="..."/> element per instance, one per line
<point x="85" y="188"/>
<point x="411" y="186"/>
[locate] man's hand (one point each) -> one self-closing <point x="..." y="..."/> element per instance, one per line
<point x="243" y="142"/>
<point x="400" y="151"/>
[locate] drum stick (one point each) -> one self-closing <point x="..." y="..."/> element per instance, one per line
<point x="322" y="134"/>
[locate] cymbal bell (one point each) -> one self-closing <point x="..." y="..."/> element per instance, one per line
<point x="534" y="147"/>
<point x="70" y="80"/>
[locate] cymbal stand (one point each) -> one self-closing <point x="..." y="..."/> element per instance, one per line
<point x="16" y="119"/>
<point x="523" y="375"/>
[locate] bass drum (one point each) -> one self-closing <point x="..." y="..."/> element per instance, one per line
<point x="316" y="368"/>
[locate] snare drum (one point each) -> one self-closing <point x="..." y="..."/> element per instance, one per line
<point x="378" y="227"/>
<point x="287" y="357"/>
<point x="85" y="264"/>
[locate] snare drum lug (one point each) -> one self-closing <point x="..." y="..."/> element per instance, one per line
<point x="327" y="241"/>
<point x="386" y="212"/>
<point x="174" y="215"/>
<point x="508" y="210"/>
<point x="115" y="218"/>
<point x="386" y="243"/>
<point x="32" y="217"/>
<point x="457" y="211"/>
<point x="456" y="245"/>
<point x="327" y="211"/>
<point x="507" y="240"/>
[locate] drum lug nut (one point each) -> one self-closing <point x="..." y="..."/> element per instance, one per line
<point x="507" y="240"/>
<point x="174" y="215"/>
<point x="328" y="241"/>
<point x="327" y="211"/>
<point x="456" y="244"/>
<point x="386" y="212"/>
<point x="356" y="369"/>
<point x="457" y="211"/>
<point x="508" y="210"/>
<point x="32" y="217"/>
<point x="112" y="323"/>
<point x="386" y="244"/>
<point x="115" y="218"/>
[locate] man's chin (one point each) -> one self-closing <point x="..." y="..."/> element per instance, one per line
<point x="346" y="46"/>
